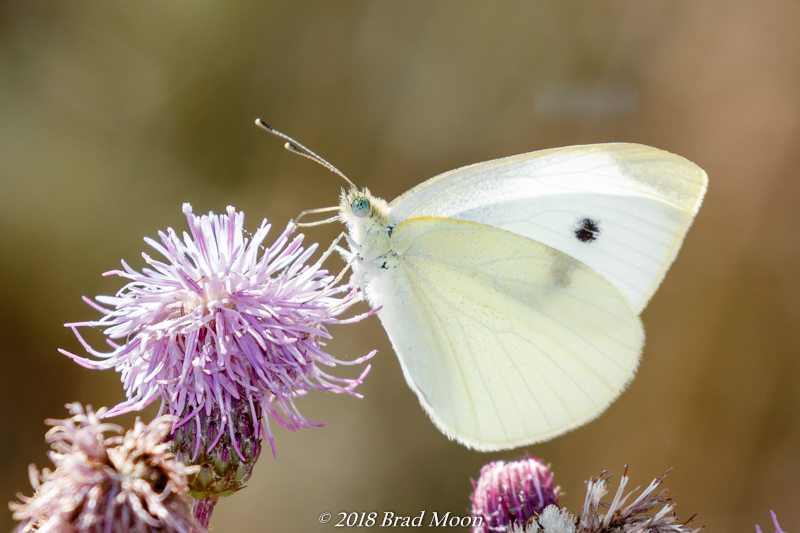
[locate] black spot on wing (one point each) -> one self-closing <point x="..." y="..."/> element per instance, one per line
<point x="587" y="230"/>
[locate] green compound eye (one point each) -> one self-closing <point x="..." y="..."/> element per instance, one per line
<point x="360" y="206"/>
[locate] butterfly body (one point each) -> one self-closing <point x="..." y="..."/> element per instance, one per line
<point x="511" y="289"/>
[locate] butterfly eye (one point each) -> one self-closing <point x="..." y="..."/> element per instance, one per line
<point x="360" y="206"/>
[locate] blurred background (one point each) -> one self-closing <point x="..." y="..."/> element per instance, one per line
<point x="114" y="114"/>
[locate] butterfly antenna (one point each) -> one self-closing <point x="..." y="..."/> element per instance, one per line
<point x="297" y="148"/>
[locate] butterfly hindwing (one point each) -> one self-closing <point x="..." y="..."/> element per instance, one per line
<point x="505" y="340"/>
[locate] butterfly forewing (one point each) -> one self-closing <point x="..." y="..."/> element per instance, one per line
<point x="621" y="209"/>
<point x="505" y="340"/>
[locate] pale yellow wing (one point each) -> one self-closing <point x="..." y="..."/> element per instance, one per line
<point x="505" y="340"/>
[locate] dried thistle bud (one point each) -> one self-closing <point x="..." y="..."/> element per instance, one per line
<point x="650" y="512"/>
<point x="632" y="518"/>
<point x="107" y="483"/>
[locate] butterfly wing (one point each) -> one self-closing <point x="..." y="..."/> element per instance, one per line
<point x="506" y="341"/>
<point x="621" y="209"/>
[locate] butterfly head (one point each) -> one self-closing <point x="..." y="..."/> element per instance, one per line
<point x="362" y="212"/>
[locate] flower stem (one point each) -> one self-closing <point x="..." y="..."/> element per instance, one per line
<point x="202" y="509"/>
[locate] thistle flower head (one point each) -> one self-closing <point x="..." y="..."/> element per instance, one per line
<point x="509" y="494"/>
<point x="224" y="322"/>
<point x="107" y="483"/>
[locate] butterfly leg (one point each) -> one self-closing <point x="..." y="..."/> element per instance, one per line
<point x="335" y="247"/>
<point x="317" y="222"/>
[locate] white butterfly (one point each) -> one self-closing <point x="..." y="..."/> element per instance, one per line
<point x="511" y="289"/>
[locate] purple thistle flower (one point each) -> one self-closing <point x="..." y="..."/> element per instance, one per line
<point x="774" y="521"/>
<point x="221" y="324"/>
<point x="102" y="483"/>
<point x="507" y="495"/>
